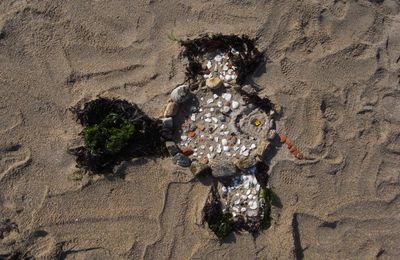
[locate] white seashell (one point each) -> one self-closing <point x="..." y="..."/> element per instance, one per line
<point x="235" y="104"/>
<point x="243" y="210"/>
<point x="255" y="182"/>
<point x="238" y="141"/>
<point x="210" y="100"/>
<point x="225" y="67"/>
<point x="230" y="71"/>
<point x="235" y="209"/>
<point x="210" y="155"/>
<point x="246" y="153"/>
<point x="234" y="76"/>
<point x="207" y="76"/>
<point x="216" y="139"/>
<point x="218" y="58"/>
<point x="207" y="115"/>
<point x="226" y="132"/>
<point x="251" y="213"/>
<point x="225" y="148"/>
<point x="211" y="148"/>
<point x="219" y="103"/>
<point x="184" y="137"/>
<point x="221" y="77"/>
<point x="248" y="192"/>
<point x="202" y="147"/>
<point x="258" y="187"/>
<point x="227" y="96"/>
<point x="212" y="109"/>
<point x="226" y="109"/>
<point x="209" y="64"/>
<point x="214" y="119"/>
<point x="243" y="197"/>
<point x="246" y="185"/>
<point x="237" y="202"/>
<point x="224" y="141"/>
<point x="224" y="189"/>
<point x="228" y="154"/>
<point x="208" y="120"/>
<point x="254" y="205"/>
<point x="242" y="149"/>
<point x="215" y="96"/>
<point x="228" y="77"/>
<point x="200" y="110"/>
<point x="193" y="117"/>
<point x="252" y="146"/>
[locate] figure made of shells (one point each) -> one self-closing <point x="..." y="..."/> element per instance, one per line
<point x="224" y="127"/>
<point x="214" y="123"/>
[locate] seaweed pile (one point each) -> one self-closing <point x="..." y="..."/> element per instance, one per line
<point x="246" y="62"/>
<point x="115" y="130"/>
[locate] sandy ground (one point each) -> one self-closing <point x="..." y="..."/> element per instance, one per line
<point x="333" y="67"/>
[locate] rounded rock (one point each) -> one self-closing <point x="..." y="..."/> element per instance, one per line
<point x="171" y="109"/>
<point x="180" y="94"/>
<point x="213" y="82"/>
<point x="223" y="169"/>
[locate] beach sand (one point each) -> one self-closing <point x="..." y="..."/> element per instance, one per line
<point x="332" y="66"/>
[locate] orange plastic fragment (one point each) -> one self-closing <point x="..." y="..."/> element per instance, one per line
<point x="187" y="151"/>
<point x="283" y="138"/>
<point x="293" y="149"/>
<point x="191" y="134"/>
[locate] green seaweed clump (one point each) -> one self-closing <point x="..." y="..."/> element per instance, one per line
<point x="223" y="226"/>
<point x="109" y="136"/>
<point x="270" y="198"/>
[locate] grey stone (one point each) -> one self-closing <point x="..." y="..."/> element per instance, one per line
<point x="223" y="169"/>
<point x="181" y="160"/>
<point x="249" y="89"/>
<point x="171" y="109"/>
<point x="180" y="94"/>
<point x="172" y="148"/>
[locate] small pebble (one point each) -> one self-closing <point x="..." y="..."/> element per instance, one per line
<point x="235" y="104"/>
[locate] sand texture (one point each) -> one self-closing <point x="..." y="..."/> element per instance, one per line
<point x="332" y="66"/>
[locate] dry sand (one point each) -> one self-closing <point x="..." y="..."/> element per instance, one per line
<point x="333" y="67"/>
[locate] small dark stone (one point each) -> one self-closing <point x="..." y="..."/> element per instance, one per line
<point x="181" y="160"/>
<point x="172" y="148"/>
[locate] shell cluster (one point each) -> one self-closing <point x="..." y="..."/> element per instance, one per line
<point x="242" y="197"/>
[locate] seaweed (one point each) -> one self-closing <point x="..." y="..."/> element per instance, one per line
<point x="248" y="60"/>
<point x="220" y="223"/>
<point x="115" y="130"/>
<point x="270" y="199"/>
<point x="223" y="226"/>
